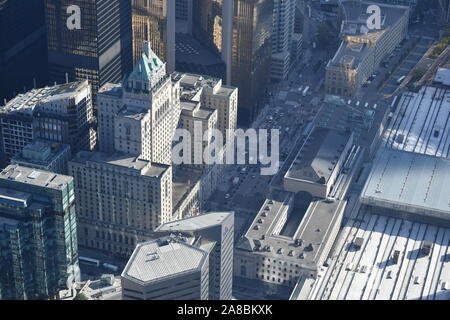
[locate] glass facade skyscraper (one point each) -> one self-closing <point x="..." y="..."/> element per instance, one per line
<point x="100" y="50"/>
<point x="23" y="48"/>
<point x="154" y="21"/>
<point x="251" y="54"/>
<point x="38" y="242"/>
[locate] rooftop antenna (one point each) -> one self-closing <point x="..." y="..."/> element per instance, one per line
<point x="67" y="77"/>
<point x="34" y="83"/>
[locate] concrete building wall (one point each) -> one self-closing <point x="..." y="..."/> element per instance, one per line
<point x="117" y="206"/>
<point x="189" y="286"/>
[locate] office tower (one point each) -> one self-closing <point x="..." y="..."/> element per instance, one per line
<point x="38" y="241"/>
<point x="154" y="21"/>
<point x="99" y="48"/>
<point x="120" y="199"/>
<point x="214" y="95"/>
<point x="213" y="27"/>
<point x="44" y="155"/>
<point x="199" y="251"/>
<point x="61" y="113"/>
<point x="183" y="16"/>
<point x="239" y="34"/>
<point x="166" y="269"/>
<point x="362" y="50"/>
<point x="282" y="37"/>
<point x="217" y="229"/>
<point x="202" y="98"/>
<point x="252" y="54"/>
<point x="140" y="115"/>
<point x="23" y="47"/>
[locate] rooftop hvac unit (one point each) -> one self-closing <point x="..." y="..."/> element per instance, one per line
<point x="395" y="256"/>
<point x="426" y="247"/>
<point x="358" y="242"/>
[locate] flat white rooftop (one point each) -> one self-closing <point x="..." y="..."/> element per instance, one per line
<point x="409" y="182"/>
<point x="370" y="274"/>
<point x="198" y="222"/>
<point x="421" y="123"/>
<point x="159" y="259"/>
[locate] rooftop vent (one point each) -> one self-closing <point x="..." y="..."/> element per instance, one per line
<point x="152" y="256"/>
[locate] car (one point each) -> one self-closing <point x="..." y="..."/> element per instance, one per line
<point x="227" y="196"/>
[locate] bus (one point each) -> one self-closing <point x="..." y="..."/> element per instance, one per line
<point x="89" y="261"/>
<point x="400" y="80"/>
<point x="305" y="91"/>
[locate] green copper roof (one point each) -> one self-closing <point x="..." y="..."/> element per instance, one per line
<point x="145" y="67"/>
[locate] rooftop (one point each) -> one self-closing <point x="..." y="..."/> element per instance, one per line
<point x="35" y="177"/>
<point x="198" y="222"/>
<point x="443" y="76"/>
<point x="192" y="85"/>
<point x="304" y="235"/>
<point x="370" y="272"/>
<point x="163" y="258"/>
<point x="133" y="112"/>
<point x="40" y="152"/>
<point x="146" y="67"/>
<point x="122" y="160"/>
<point x="193" y="109"/>
<point x="26" y="102"/>
<point x="111" y="89"/>
<point x="419" y="122"/>
<point x="318" y="156"/>
<point x="355" y="27"/>
<point x="411" y="181"/>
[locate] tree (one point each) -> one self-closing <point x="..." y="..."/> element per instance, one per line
<point x="417" y="74"/>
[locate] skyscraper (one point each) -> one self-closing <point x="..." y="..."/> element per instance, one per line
<point x="282" y="37"/>
<point x="213" y="27"/>
<point x="120" y="199"/>
<point x="251" y="54"/>
<point x="166" y="268"/>
<point x="239" y="32"/>
<point x="140" y="115"/>
<point x="190" y="258"/>
<point x="38" y="241"/>
<point x="91" y="43"/>
<point x="154" y="21"/>
<point x="215" y="229"/>
<point x="23" y="47"/>
<point x="61" y="113"/>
